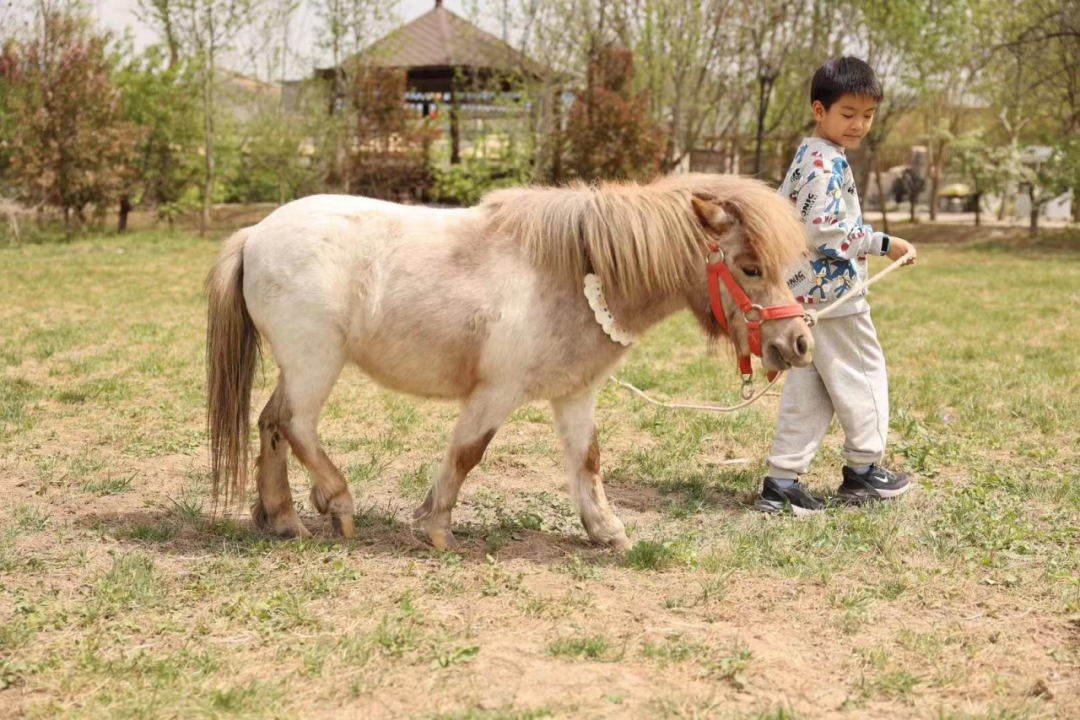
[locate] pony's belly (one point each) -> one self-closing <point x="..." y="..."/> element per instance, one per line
<point x="415" y="374"/>
<point x="552" y="383"/>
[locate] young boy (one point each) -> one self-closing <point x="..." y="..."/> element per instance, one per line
<point x="847" y="376"/>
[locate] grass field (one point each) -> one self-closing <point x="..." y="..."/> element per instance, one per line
<point x="121" y="596"/>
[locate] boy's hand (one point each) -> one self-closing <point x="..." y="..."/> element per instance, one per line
<point x="898" y="248"/>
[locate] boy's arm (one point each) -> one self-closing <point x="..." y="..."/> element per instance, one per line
<point x="829" y="228"/>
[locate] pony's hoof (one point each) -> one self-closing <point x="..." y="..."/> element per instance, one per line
<point x="285" y="526"/>
<point x="442" y="539"/>
<point x="344" y="526"/>
<point x="620" y="543"/>
<point x="436" y="528"/>
<point x="296" y="531"/>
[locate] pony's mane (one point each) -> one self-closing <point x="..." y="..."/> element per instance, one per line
<point x="643" y="239"/>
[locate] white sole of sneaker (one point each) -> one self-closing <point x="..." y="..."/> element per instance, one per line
<point x="881" y="495"/>
<point x="888" y="494"/>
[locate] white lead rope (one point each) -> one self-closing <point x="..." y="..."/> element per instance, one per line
<point x="702" y="408"/>
<point x="812" y="318"/>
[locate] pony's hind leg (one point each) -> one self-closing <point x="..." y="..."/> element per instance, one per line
<point x="273" y="509"/>
<point x="480" y="418"/>
<point x="576" y="422"/>
<point x="310" y="365"/>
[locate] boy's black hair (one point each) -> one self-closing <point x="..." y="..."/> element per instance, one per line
<point x="844" y="76"/>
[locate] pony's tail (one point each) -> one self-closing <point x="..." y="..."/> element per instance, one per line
<point x="232" y="352"/>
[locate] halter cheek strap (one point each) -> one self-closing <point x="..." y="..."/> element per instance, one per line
<point x="754" y="315"/>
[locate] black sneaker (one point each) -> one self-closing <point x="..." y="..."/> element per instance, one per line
<point x="877" y="483"/>
<point x="775" y="498"/>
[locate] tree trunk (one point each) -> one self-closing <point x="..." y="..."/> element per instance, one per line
<point x="557" y="138"/>
<point x="1007" y="190"/>
<point x="862" y="178"/>
<point x="1034" y="210"/>
<point x="935" y="187"/>
<point x="763" y="100"/>
<point x="884" y="201"/>
<point x="455" y="129"/>
<point x="125" y="210"/>
<point x="173" y="43"/>
<point x="672" y="149"/>
<point x="208" y="128"/>
<point x="978" y="204"/>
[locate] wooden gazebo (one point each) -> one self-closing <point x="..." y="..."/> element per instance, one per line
<point x="449" y="62"/>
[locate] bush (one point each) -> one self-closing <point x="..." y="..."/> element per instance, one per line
<point x="464" y="184"/>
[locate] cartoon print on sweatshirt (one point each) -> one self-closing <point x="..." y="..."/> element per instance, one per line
<point x="830" y="276"/>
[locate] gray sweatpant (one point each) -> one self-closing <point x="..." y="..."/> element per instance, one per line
<point x="847" y="377"/>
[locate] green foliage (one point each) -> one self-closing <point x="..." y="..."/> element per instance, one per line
<point x="465" y="183"/>
<point x="161" y="100"/>
<point x="610" y="133"/>
<point x="1061" y="171"/>
<point x="70" y="143"/>
<point x="990" y="167"/>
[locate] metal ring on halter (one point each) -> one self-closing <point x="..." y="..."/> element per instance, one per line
<point x="810" y="317"/>
<point x="747" y="389"/>
<point x="755" y="308"/>
<point x="718" y="251"/>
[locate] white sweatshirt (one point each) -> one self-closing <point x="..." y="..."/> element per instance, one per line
<point x="822" y="187"/>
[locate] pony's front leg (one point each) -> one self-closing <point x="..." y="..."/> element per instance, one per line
<point x="576" y="421"/>
<point x="484" y="412"/>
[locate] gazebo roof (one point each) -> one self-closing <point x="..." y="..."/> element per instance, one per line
<point x="441" y="39"/>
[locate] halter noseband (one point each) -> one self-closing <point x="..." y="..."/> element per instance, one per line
<point x="718" y="271"/>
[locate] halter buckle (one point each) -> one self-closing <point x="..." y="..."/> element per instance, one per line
<point x="747" y="389"/>
<point x="717" y="252"/>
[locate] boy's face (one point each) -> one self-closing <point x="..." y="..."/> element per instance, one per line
<point x="847" y="121"/>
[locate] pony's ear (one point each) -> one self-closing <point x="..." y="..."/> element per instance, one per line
<point x="713" y="215"/>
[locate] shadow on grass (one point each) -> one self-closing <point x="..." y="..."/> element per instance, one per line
<point x="379" y="531"/>
<point x="696" y="493"/>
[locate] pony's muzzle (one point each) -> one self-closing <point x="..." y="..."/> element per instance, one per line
<point x="792" y="348"/>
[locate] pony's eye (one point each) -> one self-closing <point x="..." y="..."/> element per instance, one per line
<point x="751" y="272"/>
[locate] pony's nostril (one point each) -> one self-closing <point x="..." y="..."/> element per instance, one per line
<point x="801" y="345"/>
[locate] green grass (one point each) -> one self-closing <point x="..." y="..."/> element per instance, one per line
<point x="124" y="591"/>
<point x="673" y="649"/>
<point x="109" y="486"/>
<point x="589" y="647"/>
<point x="658" y="555"/>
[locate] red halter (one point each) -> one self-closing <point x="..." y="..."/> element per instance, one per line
<point x="719" y="271"/>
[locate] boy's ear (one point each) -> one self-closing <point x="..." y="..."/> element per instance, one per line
<point x="819" y="110"/>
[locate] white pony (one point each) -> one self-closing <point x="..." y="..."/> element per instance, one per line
<point x="485" y="305"/>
